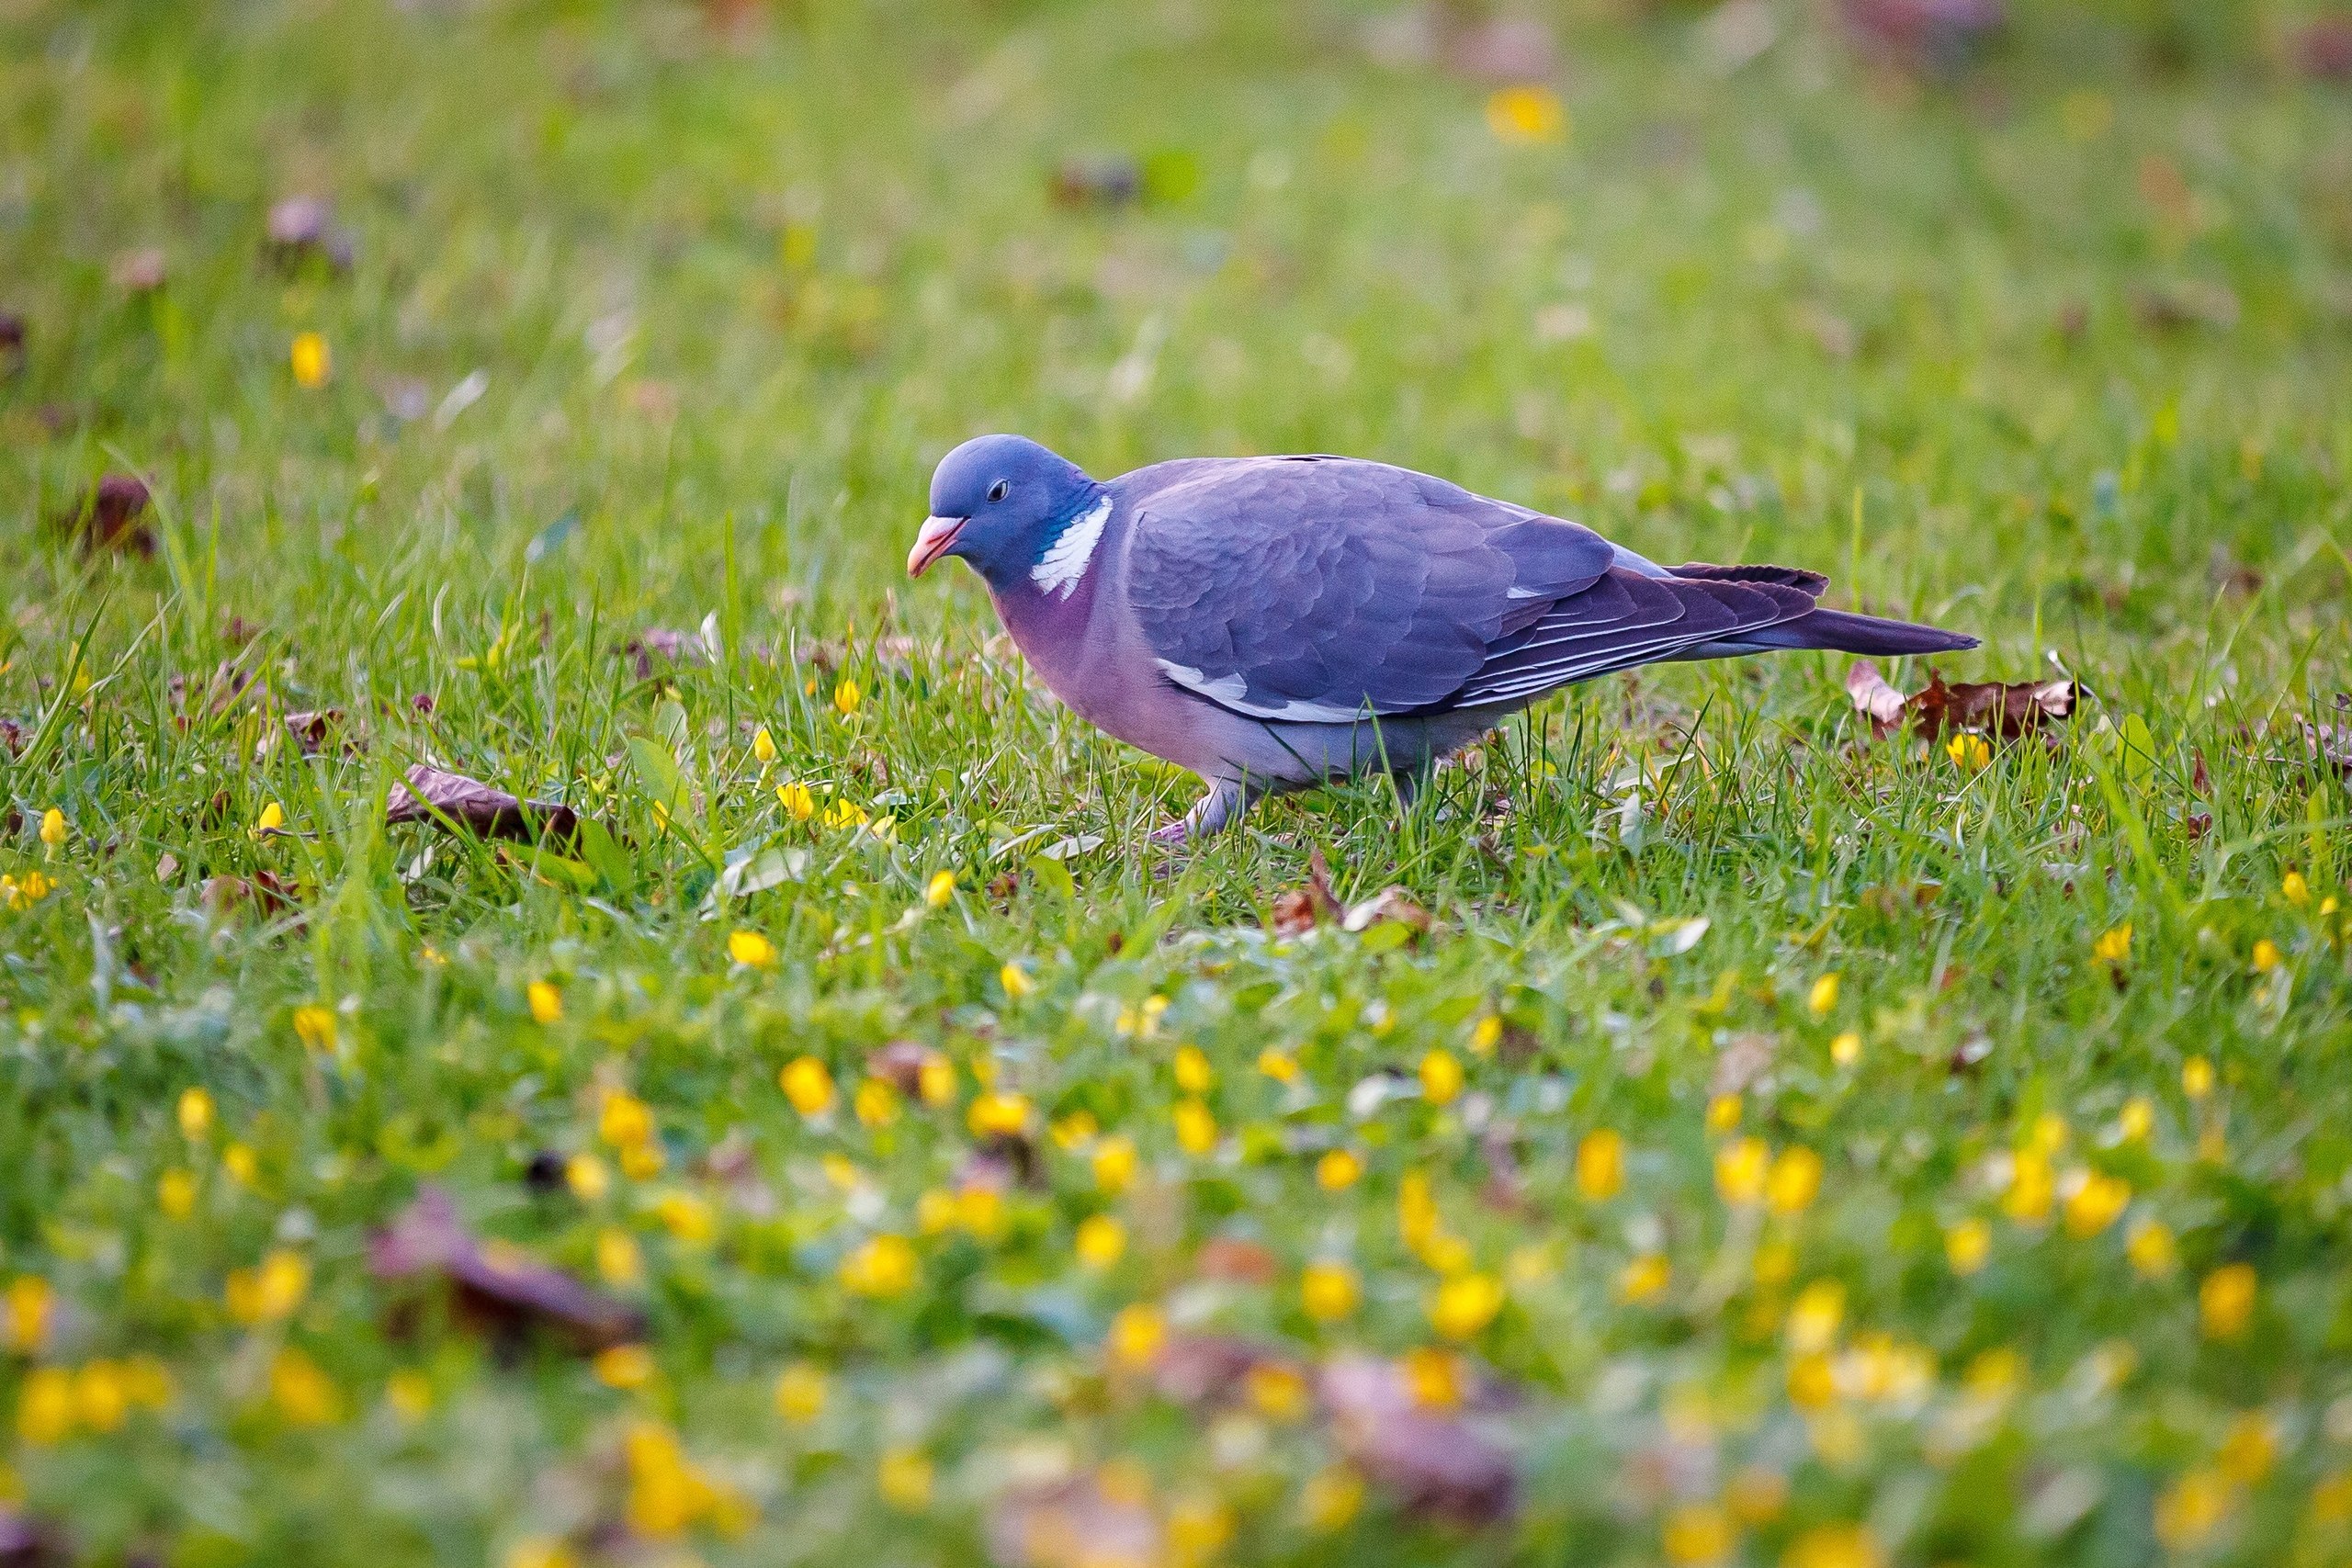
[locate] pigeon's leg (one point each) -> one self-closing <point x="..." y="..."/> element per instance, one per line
<point x="1226" y="800"/>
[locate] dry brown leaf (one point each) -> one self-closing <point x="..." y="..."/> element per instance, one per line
<point x="1873" y="696"/>
<point x="311" y="730"/>
<point x="1434" y="1465"/>
<point x="431" y="794"/>
<point x="1202" y="1370"/>
<point x="498" y="1288"/>
<point x="2005" y="710"/>
<point x="900" y="1063"/>
<point x="1112" y="180"/>
<point x="1298" y="910"/>
<point x="302" y="230"/>
<point x="270" y="894"/>
<point x="2332" y="743"/>
<point x="1072" y="1524"/>
<point x="1238" y="1261"/>
<point x="111" y="515"/>
<point x="2324" y="49"/>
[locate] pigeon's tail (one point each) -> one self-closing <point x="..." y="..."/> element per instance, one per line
<point x="1841" y="633"/>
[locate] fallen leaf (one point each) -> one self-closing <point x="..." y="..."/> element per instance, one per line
<point x="1745" y="1058"/>
<point x="1300" y="910"/>
<point x="662" y="643"/>
<point x="2331" y="743"/>
<point x="900" y="1063"/>
<point x="1101" y="180"/>
<point x="2005" y="710"/>
<point x="1390" y="905"/>
<point x="2324" y="49"/>
<point x="1434" y="1465"/>
<point x="1937" y="37"/>
<point x="431" y="794"/>
<point x="141" y="271"/>
<point x="311" y="730"/>
<point x="1203" y="1370"/>
<point x="2171" y="306"/>
<point x="1069" y="1523"/>
<point x="1071" y="848"/>
<point x="501" y="1289"/>
<point x="12" y="339"/>
<point x="266" y="891"/>
<point x="110" y="516"/>
<point x="1237" y="1261"/>
<point x="1874" y="697"/>
<point x="302" y="231"/>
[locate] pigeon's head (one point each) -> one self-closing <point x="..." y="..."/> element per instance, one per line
<point x="999" y="502"/>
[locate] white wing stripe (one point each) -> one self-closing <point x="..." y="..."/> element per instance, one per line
<point x="1231" y="691"/>
<point x="1060" y="569"/>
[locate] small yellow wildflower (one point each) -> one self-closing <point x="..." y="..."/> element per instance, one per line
<point x="1740" y="1169"/>
<point x="241" y="1164"/>
<point x="2225" y="1301"/>
<point x="1724" y="1111"/>
<point x="998" y="1113"/>
<point x="314" y="1027"/>
<point x="1115" y="1164"/>
<point x="2151" y="1249"/>
<point x="2096" y="1204"/>
<point x="904" y="1478"/>
<point x="1600" y="1165"/>
<point x="1813" y="1318"/>
<point x="1075" y="1131"/>
<point x="540" y="1551"/>
<point x="176" y="1194"/>
<point x="2248" y="1449"/>
<point x="750" y="949"/>
<point x="1695" y="1534"/>
<point x="1970" y="751"/>
<point x="310" y="361"/>
<point x="1277" y="1391"/>
<point x="798" y="802"/>
<point x="1757" y="1495"/>
<point x="876" y="1103"/>
<point x="687" y="1217"/>
<point x="2266" y="956"/>
<point x="619" y="1261"/>
<point x="1441" y="1078"/>
<point x="1466" y="1305"/>
<point x="886" y="1266"/>
<point x="1099" y="1241"/>
<point x="410" y="1393"/>
<point x="304" y="1394"/>
<point x="2196" y="1077"/>
<point x="1823" y="997"/>
<point x="1435" y="1377"/>
<point x="53" y="830"/>
<point x="1137" y="1335"/>
<point x="2031" y="1188"/>
<point x="979" y="1209"/>
<point x="1277" y="1065"/>
<point x="1195" y="1127"/>
<point x="1485" y="1035"/>
<point x="622" y="1119"/>
<point x="2136" y="1119"/>
<point x="1834" y="1546"/>
<point x="847" y="695"/>
<point x="271" y="1292"/>
<point x="546" y="1002"/>
<point x="940" y="891"/>
<point x="2297" y="891"/>
<point x="800" y="1392"/>
<point x="588" y="1178"/>
<point x="763" y="746"/>
<point x="2113" y="945"/>
<point x="935" y="1080"/>
<point x="808" y="1083"/>
<point x="2190" y="1510"/>
<point x="27" y="1301"/>
<point x="1331" y="1499"/>
<point x="1794" y="1181"/>
<point x="271" y="820"/>
<point x="1967" y="1246"/>
<point x="45" y="1406"/>
<point x="1645" y="1278"/>
<point x="1846" y="1049"/>
<point x="1328" y="1290"/>
<point x="1527" y="114"/>
<point x="624" y="1366"/>
<point x="1191" y="1070"/>
<point x="1338" y="1170"/>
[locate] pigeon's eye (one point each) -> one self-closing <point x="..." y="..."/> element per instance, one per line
<point x="1000" y="489"/>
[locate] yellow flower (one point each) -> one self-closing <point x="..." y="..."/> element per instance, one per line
<point x="2031" y="1188"/>
<point x="623" y="1120"/>
<point x="1195" y="1127"/>
<point x="1486" y="1034"/>
<point x="1740" y="1169"/>
<point x="1115" y="1164"/>
<point x="314" y="1027"/>
<point x="176" y="1194"/>
<point x="589" y="1178"/>
<point x="546" y="1002"/>
<point x="2248" y="1449"/>
<point x="410" y="1393"/>
<point x="2192" y="1509"/>
<point x="2196" y="1077"/>
<point x="808" y="1083"/>
<point x="1277" y="1391"/>
<point x="310" y="361"/>
<point x="1757" y="1495"/>
<point x="2150" y="1247"/>
<point x="1191" y="1070"/>
<point x="1834" y="1546"/>
<point x="1075" y="1131"/>
<point x="2136" y="1119"/>
<point x="27" y="1301"/>
<point x="271" y="820"/>
<point x="1441" y="1078"/>
<point x="2266" y="956"/>
<point x="1645" y="1278"/>
<point x="2114" y="945"/>
<point x="1823" y="995"/>
<point x="1724" y="1113"/>
<point x="1137" y="1335"/>
<point x="763" y="746"/>
<point x="45" y="1406"/>
<point x="688" y="1218"/>
<point x="1434" y="1376"/>
<point x="1331" y="1499"/>
<point x="2298" y="892"/>
<point x="750" y="949"/>
<point x="624" y="1366"/>
<point x="540" y="1551"/>
<point x="998" y="1114"/>
<point x="1846" y="1049"/>
<point x="1600" y="1165"/>
<point x="1814" y="1315"/>
<point x="270" y="1293"/>
<point x="940" y="891"/>
<point x="876" y="1103"/>
<point x="53" y="830"/>
<point x="304" y="1394"/>
<point x="1526" y="115"/>
<point x="979" y="1209"/>
<point x="797" y="802"/>
<point x="935" y="1212"/>
<point x="1099" y="1241"/>
<point x="1464" y="1304"/>
<point x="1328" y="1290"/>
<point x="886" y="1266"/>
<point x="2096" y="1204"/>
<point x="1794" y="1181"/>
<point x="240" y="1162"/>
<point x="846" y="696"/>
<point x="618" y="1261"/>
<point x="1696" y="1533"/>
<point x="1278" y="1066"/>
<point x="1338" y="1170"/>
<point x="1967" y="1245"/>
<point x="1969" y="750"/>
<point x="935" y="1080"/>
<point x="904" y="1478"/>
<point x="1015" y="981"/>
<point x="800" y="1391"/>
<point x="1776" y="1264"/>
<point x="2225" y="1301"/>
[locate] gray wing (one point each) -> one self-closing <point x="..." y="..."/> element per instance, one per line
<point x="1314" y="590"/>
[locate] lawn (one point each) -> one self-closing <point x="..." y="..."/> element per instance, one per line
<point x="1740" y="1137"/>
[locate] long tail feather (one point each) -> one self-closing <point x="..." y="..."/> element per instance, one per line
<point x="1839" y="632"/>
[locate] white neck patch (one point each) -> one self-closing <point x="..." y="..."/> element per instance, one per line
<point x="1060" y="569"/>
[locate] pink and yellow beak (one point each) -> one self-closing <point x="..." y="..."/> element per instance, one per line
<point x="938" y="536"/>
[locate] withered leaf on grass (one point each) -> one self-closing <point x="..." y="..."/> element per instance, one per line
<point x="1435" y="1465"/>
<point x="302" y="229"/>
<point x="313" y="730"/>
<point x="2332" y="743"/>
<point x="1203" y="1370"/>
<point x="1070" y="1524"/>
<point x="2005" y="710"/>
<point x="498" y="1288"/>
<point x="432" y="795"/>
<point x="1298" y="910"/>
<point x="111" y="515"/>
<point x="265" y="891"/>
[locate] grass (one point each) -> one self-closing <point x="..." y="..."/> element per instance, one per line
<point x="2055" y="351"/>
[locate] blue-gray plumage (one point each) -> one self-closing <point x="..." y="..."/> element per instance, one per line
<point x="1271" y="622"/>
